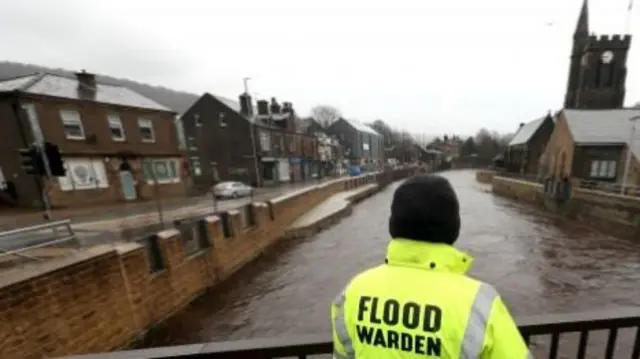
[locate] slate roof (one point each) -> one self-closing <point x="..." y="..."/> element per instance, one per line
<point x="46" y="84"/>
<point x="601" y="127"/>
<point x="525" y="133"/>
<point x="179" y="101"/>
<point x="361" y="127"/>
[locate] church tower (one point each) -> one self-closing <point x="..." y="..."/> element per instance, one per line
<point x="598" y="68"/>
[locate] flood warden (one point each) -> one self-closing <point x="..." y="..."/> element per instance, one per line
<point x="420" y="303"/>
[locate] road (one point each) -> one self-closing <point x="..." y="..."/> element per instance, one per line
<point x="106" y="226"/>
<point x="540" y="265"/>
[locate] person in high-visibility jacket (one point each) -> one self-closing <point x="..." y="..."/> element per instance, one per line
<point x="420" y="303"/>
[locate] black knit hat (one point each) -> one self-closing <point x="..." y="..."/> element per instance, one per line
<point x="425" y="208"/>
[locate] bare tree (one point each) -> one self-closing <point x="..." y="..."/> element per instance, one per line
<point x="325" y="114"/>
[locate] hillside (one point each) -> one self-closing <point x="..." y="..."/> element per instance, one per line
<point x="176" y="100"/>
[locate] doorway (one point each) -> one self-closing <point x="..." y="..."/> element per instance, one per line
<point x="127" y="182"/>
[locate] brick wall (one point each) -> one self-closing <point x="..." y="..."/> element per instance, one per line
<point x="145" y="189"/>
<point x="102" y="298"/>
<point x="610" y="213"/>
<point x="484" y="176"/>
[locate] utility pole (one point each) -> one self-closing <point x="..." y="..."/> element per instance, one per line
<point x="629" y="154"/>
<point x="251" y="131"/>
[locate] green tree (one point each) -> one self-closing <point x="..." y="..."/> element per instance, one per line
<point x="468" y="147"/>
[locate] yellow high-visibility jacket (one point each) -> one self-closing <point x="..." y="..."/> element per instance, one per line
<point x="420" y="304"/>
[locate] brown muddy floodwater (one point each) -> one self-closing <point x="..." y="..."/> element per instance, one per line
<point x="540" y="265"/>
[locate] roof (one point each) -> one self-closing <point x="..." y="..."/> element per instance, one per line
<point x="525" y="132"/>
<point x="179" y="101"/>
<point x="361" y="127"/>
<point x="47" y="84"/>
<point x="600" y="127"/>
<point x="234" y="105"/>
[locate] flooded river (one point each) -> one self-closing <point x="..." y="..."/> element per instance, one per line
<point x="539" y="264"/>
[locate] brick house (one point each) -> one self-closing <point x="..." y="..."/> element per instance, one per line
<point x="527" y="145"/>
<point x="219" y="142"/>
<point x="363" y="145"/>
<point x="330" y="150"/>
<point x="592" y="145"/>
<point x="116" y="144"/>
<point x="227" y="142"/>
<point x="286" y="154"/>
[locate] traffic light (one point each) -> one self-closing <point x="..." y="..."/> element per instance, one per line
<point x="56" y="165"/>
<point x="32" y="161"/>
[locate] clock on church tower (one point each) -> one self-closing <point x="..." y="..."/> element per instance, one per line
<point x="607" y="57"/>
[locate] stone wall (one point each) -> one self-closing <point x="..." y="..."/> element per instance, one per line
<point x="610" y="213"/>
<point x="102" y="298"/>
<point x="484" y="176"/>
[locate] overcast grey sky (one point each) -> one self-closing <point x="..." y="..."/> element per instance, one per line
<point x="427" y="66"/>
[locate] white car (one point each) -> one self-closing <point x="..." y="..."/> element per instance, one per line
<point x="232" y="190"/>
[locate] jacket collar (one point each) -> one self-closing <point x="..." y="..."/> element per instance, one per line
<point x="429" y="256"/>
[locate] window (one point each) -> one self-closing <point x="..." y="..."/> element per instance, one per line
<point x="3" y="182"/>
<point x="197" y="120"/>
<point x="84" y="174"/>
<point x="221" y="120"/>
<point x="265" y="141"/>
<point x="603" y="169"/>
<point x="72" y="125"/>
<point x="161" y="170"/>
<point x="146" y="130"/>
<point x="116" y="128"/>
<point x="195" y="166"/>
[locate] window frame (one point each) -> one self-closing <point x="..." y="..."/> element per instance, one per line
<point x="151" y="175"/>
<point x="603" y="169"/>
<point x="146" y="123"/>
<point x="114" y="119"/>
<point x="68" y="121"/>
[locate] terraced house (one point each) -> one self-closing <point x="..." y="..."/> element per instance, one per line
<point x="260" y="145"/>
<point x="286" y="153"/>
<point x="117" y="145"/>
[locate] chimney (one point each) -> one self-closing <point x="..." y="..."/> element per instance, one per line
<point x="263" y="107"/>
<point x="287" y="107"/>
<point x="246" y="106"/>
<point x="86" y="84"/>
<point x="521" y="125"/>
<point x="275" y="106"/>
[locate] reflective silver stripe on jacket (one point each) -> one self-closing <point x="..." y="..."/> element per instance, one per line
<point x="337" y="355"/>
<point x="341" y="329"/>
<point x="477" y="324"/>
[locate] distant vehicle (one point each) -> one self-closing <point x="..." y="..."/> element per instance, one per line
<point x="232" y="189"/>
<point x="355" y="171"/>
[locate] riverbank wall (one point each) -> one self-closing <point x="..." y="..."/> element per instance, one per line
<point x="609" y="213"/>
<point x="103" y="298"/>
<point x="485" y="177"/>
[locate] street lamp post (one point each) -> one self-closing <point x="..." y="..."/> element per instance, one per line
<point x="251" y="132"/>
<point x="629" y="154"/>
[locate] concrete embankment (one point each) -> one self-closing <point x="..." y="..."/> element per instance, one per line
<point x="329" y="212"/>
<point x="607" y="212"/>
<point x="102" y="298"/>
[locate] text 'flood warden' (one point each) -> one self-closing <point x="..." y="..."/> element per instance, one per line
<point x="410" y="327"/>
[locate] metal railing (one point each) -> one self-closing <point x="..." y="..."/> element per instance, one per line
<point x="302" y="347"/>
<point x="17" y="241"/>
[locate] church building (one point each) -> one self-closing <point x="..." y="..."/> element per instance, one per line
<point x="595" y="136"/>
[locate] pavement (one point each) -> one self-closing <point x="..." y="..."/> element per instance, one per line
<point x="100" y="225"/>
<point x="332" y="205"/>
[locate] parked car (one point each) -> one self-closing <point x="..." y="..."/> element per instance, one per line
<point x="232" y="189"/>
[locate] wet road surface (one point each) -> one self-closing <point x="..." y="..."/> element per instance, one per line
<point x="540" y="265"/>
<point x="98" y="227"/>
